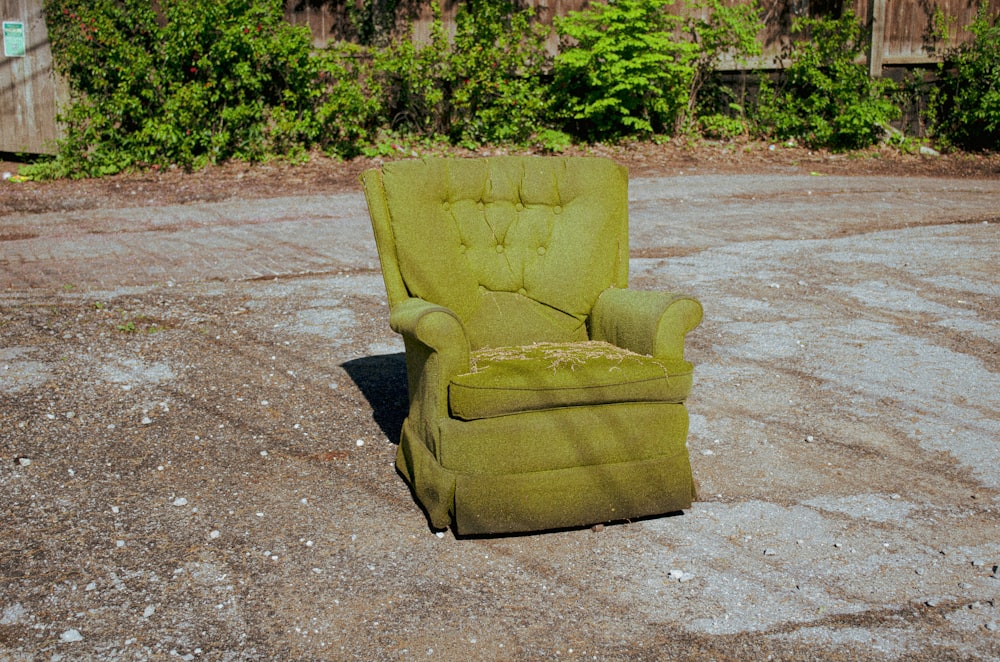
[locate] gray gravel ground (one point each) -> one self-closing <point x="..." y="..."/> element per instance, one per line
<point x="199" y="406"/>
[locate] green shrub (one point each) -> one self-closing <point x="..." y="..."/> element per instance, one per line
<point x="965" y="104"/>
<point x="348" y="109"/>
<point x="497" y="64"/>
<point x="630" y="67"/>
<point x="620" y="70"/>
<point x="413" y="82"/>
<point x="183" y="82"/>
<point x="481" y="87"/>
<point x="824" y="97"/>
<point x="726" y="32"/>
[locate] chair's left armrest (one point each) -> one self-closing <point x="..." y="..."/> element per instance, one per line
<point x="652" y="323"/>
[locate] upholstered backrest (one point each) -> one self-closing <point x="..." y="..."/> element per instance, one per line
<point x="519" y="247"/>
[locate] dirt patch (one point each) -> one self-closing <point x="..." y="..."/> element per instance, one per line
<point x="323" y="175"/>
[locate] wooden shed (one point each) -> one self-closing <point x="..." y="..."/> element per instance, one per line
<point x="29" y="90"/>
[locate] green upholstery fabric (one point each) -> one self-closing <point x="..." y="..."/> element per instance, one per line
<point x="543" y="392"/>
<point x="512" y="380"/>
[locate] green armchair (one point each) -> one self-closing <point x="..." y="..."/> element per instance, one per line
<point x="543" y="393"/>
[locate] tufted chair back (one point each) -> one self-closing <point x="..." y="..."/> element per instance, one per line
<point x="518" y="247"/>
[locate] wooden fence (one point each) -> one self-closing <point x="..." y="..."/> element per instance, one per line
<point x="903" y="30"/>
<point x="28" y="88"/>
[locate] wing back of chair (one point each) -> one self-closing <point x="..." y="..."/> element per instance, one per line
<point x="518" y="247"/>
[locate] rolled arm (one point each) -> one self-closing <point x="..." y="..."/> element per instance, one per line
<point x="436" y="349"/>
<point x="645" y="322"/>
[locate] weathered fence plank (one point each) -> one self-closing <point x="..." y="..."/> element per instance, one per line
<point x="28" y="88"/>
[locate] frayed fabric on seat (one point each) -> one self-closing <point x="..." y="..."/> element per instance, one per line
<point x="511" y="380"/>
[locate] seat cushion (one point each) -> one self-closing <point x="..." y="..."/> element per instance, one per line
<point x="511" y="380"/>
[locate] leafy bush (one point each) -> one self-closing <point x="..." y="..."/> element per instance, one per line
<point x="824" y="97"/>
<point x="497" y="65"/>
<point x="629" y="67"/>
<point x="620" y="71"/>
<point x="965" y="105"/>
<point x="481" y="87"/>
<point x="183" y="82"/>
<point x="414" y="82"/>
<point x="726" y="31"/>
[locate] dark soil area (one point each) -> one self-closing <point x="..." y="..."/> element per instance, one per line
<point x="323" y="175"/>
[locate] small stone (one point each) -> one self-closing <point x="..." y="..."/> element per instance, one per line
<point x="70" y="636"/>
<point x="24" y="461"/>
<point x="360" y="442"/>
<point x="214" y="534"/>
<point x="809" y="439"/>
<point x="180" y="501"/>
<point x="708" y="451"/>
<point x="992" y="627"/>
<point x="148" y="611"/>
<point x="770" y="552"/>
<point x="146" y="420"/>
<point x="932" y="602"/>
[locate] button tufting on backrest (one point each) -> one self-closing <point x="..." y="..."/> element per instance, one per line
<point x="544" y="226"/>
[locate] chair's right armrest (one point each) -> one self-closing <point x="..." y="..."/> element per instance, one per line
<point x="647" y="322"/>
<point x="436" y="349"/>
<point x="435" y="326"/>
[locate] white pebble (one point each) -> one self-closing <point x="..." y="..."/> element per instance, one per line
<point x="24" y="461"/>
<point x="707" y="452"/>
<point x="360" y="442"/>
<point x="148" y="611"/>
<point x="70" y="636"/>
<point x="439" y="534"/>
<point x="180" y="501"/>
<point x="214" y="534"/>
<point x="809" y="439"/>
<point x="146" y="420"/>
<point x="119" y="543"/>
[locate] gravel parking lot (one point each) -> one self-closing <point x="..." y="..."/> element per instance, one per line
<point x="200" y="404"/>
